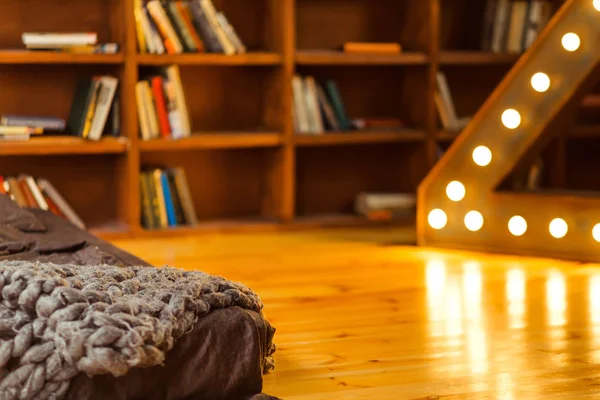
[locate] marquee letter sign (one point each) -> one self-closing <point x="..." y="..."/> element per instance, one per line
<point x="458" y="205"/>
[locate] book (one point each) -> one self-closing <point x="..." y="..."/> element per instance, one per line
<point x="372" y="48"/>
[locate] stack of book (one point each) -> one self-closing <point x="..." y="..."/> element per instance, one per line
<point x="175" y="27"/>
<point x="165" y="199"/>
<point x="511" y="26"/>
<point x="28" y="192"/>
<point x="95" y="108"/>
<point x="445" y="106"/>
<point x="82" y="42"/>
<point x="161" y="105"/>
<point x="22" y="127"/>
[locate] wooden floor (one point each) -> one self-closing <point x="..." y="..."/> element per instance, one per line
<point x="361" y="317"/>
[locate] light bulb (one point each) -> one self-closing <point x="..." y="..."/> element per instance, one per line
<point x="596" y="229"/>
<point x="596" y="4"/>
<point x="517" y="225"/>
<point x="511" y="118"/>
<point x="571" y="41"/>
<point x="455" y="191"/>
<point x="437" y="218"/>
<point x="540" y="82"/>
<point x="482" y="156"/>
<point x="473" y="221"/>
<point x="558" y="228"/>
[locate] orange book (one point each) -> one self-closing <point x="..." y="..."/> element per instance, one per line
<point x="2" y="190"/>
<point x="53" y="207"/>
<point x="161" y="106"/>
<point x="187" y="19"/>
<point x="372" y="48"/>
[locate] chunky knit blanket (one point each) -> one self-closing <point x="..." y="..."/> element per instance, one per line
<point x="59" y="320"/>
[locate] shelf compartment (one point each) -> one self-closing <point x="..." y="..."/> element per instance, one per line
<point x="51" y="57"/>
<point x="359" y="137"/>
<point x="231" y="99"/>
<point x="330" y="24"/>
<point x="214" y="140"/>
<point x="380" y="91"/>
<point x="225" y="184"/>
<point x="330" y="178"/>
<point x="330" y="57"/>
<point x="63" y="145"/>
<point x="105" y="17"/>
<point x="210" y="59"/>
<point x="476" y="58"/>
<point x="91" y="184"/>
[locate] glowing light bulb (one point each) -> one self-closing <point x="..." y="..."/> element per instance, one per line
<point x="473" y="221"/>
<point x="482" y="156"/>
<point x="571" y="41"/>
<point x="596" y="4"/>
<point x="558" y="228"/>
<point x="540" y="82"/>
<point x="511" y="118"/>
<point x="437" y="218"/>
<point x="455" y="191"/>
<point x="517" y="225"/>
<point x="596" y="229"/>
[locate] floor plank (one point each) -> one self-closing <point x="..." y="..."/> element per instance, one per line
<point x="359" y="315"/>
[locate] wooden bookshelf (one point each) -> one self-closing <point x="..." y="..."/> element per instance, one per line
<point x="247" y="168"/>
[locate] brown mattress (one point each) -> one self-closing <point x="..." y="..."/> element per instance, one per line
<point x="220" y="359"/>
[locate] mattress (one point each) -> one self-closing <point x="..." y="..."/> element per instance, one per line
<point x="223" y="357"/>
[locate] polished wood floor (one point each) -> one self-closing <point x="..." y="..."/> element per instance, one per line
<point x="360" y="316"/>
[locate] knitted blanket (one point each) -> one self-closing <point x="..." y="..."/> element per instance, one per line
<point x="59" y="320"/>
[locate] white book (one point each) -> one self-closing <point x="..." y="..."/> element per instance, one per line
<point x="500" y="25"/>
<point x="312" y="100"/>
<point x="231" y="33"/>
<point x="211" y="16"/>
<point x="299" y="104"/>
<point x="59" y="39"/>
<point x="160" y="17"/>
<point x="106" y="95"/>
<point x="151" y="111"/>
<point x="141" y="111"/>
<point x="446" y="97"/>
<point x="60" y="202"/>
<point x="35" y="191"/>
<point x="175" y="78"/>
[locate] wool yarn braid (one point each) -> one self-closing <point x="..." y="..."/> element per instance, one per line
<point x="59" y="320"/>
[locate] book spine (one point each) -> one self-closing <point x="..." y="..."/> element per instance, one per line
<point x="169" y="206"/>
<point x="209" y="37"/>
<point x="161" y="106"/>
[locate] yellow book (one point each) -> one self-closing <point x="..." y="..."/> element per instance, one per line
<point x="91" y="109"/>
<point x="138" y="26"/>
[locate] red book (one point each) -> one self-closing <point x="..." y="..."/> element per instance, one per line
<point x="161" y="106"/>
<point x="2" y="190"/>
<point x="52" y="206"/>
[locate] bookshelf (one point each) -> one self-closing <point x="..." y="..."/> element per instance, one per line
<point x="247" y="169"/>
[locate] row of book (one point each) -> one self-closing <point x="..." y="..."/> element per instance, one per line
<point x="320" y="108"/>
<point x="28" y="192"/>
<point x="161" y="105"/>
<point x="513" y="25"/>
<point x="165" y="199"/>
<point x="73" y="42"/>
<point x="193" y="26"/>
<point x="95" y="108"/>
<point x="385" y="206"/>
